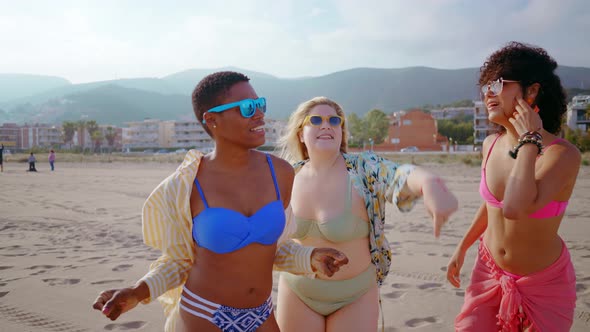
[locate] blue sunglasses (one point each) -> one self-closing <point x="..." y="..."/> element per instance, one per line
<point x="248" y="107"/>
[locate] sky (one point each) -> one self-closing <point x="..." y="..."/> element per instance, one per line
<point x="85" y="41"/>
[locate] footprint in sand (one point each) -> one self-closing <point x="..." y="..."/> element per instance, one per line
<point x="460" y="293"/>
<point x="394" y="295"/>
<point x="90" y="259"/>
<point x="2" y="294"/>
<point x="420" y="322"/>
<point x="444" y="269"/>
<point x="580" y="288"/>
<point x="391" y="329"/>
<point x="429" y="285"/>
<point x="5" y="267"/>
<point x="102" y="282"/>
<point x="61" y="281"/>
<point x="400" y="286"/>
<point x="125" y="326"/>
<point x="431" y="254"/>
<point x="122" y="267"/>
<point x="35" y="267"/>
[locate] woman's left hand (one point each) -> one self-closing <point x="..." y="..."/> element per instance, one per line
<point x="525" y="119"/>
<point x="440" y="202"/>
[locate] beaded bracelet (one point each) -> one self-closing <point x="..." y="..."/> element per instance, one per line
<point x="531" y="134"/>
<point x="528" y="139"/>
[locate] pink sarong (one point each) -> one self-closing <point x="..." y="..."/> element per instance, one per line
<point x="496" y="301"/>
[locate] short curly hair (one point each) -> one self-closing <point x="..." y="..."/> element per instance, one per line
<point x="211" y="90"/>
<point x="530" y="64"/>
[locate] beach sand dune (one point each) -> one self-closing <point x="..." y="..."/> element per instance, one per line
<point x="67" y="235"/>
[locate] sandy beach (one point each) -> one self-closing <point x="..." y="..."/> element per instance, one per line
<point x="68" y="234"/>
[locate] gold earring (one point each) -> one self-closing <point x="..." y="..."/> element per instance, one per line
<point x="214" y="126"/>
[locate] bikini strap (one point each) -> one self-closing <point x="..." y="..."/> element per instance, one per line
<point x="557" y="140"/>
<point x="274" y="178"/>
<point x="349" y="190"/>
<point x="490" y="150"/>
<point x="201" y="193"/>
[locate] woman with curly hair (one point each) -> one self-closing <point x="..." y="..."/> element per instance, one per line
<point x="523" y="278"/>
<point x="338" y="201"/>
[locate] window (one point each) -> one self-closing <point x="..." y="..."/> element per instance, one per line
<point x="395" y="141"/>
<point x="407" y="122"/>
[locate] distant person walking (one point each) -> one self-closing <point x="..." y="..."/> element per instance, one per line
<point x="32" y="161"/>
<point x="2" y="158"/>
<point x="52" y="159"/>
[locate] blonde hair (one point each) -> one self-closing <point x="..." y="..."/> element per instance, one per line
<point x="290" y="147"/>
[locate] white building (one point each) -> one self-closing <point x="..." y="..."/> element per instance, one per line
<point x="451" y="112"/>
<point x="577" y="117"/>
<point x="144" y="134"/>
<point x="273" y="130"/>
<point x="186" y="134"/>
<point x="482" y="127"/>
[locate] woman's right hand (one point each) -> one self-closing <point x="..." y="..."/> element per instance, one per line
<point x="115" y="302"/>
<point x="454" y="268"/>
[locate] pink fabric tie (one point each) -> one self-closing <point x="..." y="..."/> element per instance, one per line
<point x="509" y="314"/>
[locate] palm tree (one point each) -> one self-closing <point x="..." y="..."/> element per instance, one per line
<point x="81" y="133"/>
<point x="69" y="129"/>
<point x="94" y="132"/>
<point x="97" y="138"/>
<point x="110" y="136"/>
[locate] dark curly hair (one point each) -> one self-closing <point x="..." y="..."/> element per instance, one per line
<point x="530" y="64"/>
<point x="211" y="90"/>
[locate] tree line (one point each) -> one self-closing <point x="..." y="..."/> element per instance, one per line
<point x="97" y="136"/>
<point x="373" y="128"/>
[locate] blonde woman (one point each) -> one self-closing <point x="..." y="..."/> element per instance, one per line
<point x="338" y="200"/>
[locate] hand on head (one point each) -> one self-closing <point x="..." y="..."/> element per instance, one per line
<point x="525" y="119"/>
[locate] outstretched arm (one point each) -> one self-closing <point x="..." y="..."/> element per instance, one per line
<point x="439" y="201"/>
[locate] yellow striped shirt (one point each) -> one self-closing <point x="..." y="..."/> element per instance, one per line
<point x="167" y="226"/>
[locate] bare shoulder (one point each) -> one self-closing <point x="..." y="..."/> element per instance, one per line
<point x="285" y="175"/>
<point x="487" y="144"/>
<point x="565" y="152"/>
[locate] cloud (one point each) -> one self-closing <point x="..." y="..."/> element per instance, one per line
<point x="92" y="40"/>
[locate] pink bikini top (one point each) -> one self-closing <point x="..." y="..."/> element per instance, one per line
<point x="552" y="209"/>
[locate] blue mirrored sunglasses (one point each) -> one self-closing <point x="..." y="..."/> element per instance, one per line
<point x="317" y="120"/>
<point x="248" y="107"/>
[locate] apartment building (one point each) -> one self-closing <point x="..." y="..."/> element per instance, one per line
<point x="39" y="135"/>
<point x="451" y="112"/>
<point x="482" y="127"/>
<point x="185" y="134"/>
<point x="9" y="135"/>
<point x="142" y="134"/>
<point x="578" y="114"/>
<point x="412" y="128"/>
<point x="273" y="130"/>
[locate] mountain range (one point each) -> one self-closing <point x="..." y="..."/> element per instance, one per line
<point x="44" y="99"/>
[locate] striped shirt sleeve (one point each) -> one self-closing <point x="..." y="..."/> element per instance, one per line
<point x="164" y="228"/>
<point x="291" y="256"/>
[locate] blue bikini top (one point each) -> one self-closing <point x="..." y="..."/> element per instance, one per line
<point x="224" y="230"/>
